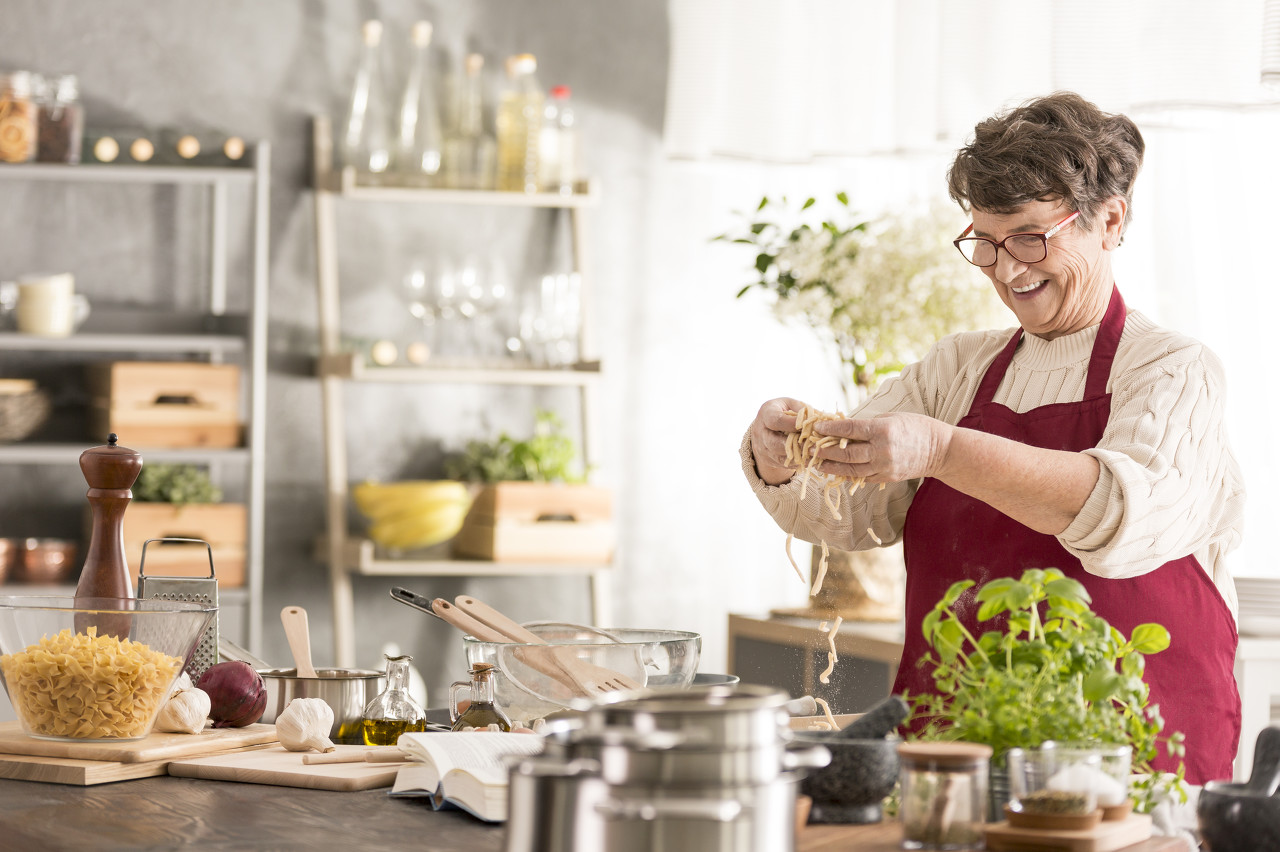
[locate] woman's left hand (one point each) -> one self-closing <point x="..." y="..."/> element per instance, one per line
<point x="892" y="447"/>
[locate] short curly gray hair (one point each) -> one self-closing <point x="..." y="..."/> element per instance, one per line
<point x="1058" y="147"/>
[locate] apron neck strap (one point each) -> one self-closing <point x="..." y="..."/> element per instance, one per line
<point x="1104" y="353"/>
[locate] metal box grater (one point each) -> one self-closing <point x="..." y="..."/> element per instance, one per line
<point x="202" y="590"/>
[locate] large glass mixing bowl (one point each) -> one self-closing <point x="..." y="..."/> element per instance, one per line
<point x="94" y="669"/>
<point x="524" y="689"/>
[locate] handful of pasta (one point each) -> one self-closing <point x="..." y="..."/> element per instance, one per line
<point x="79" y="685"/>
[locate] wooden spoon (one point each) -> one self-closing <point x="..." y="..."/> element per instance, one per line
<point x="294" y="619"/>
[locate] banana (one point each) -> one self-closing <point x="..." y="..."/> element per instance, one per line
<point x="415" y="530"/>
<point x="379" y="499"/>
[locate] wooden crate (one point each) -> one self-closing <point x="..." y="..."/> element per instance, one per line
<point x="166" y="403"/>
<point x="538" y="522"/>
<point x="223" y="525"/>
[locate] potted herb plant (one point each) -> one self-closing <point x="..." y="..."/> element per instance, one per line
<point x="532" y="502"/>
<point x="181" y="501"/>
<point x="1054" y="670"/>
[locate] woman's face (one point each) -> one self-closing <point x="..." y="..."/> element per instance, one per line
<point x="1067" y="291"/>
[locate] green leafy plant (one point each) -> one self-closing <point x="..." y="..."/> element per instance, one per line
<point x="1057" y="671"/>
<point x="878" y="293"/>
<point x="175" y="483"/>
<point x="547" y="456"/>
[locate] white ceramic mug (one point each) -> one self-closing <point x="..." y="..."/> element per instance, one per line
<point x="49" y="306"/>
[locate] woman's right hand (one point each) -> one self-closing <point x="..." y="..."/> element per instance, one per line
<point x="769" y="439"/>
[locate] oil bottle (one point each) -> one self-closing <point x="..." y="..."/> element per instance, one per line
<point x="483" y="711"/>
<point x="393" y="712"/>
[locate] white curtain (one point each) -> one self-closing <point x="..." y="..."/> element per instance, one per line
<point x="790" y="81"/>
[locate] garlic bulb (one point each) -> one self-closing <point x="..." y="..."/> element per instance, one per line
<point x="186" y="711"/>
<point x="305" y="725"/>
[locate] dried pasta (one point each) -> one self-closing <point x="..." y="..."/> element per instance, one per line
<point x="86" y="686"/>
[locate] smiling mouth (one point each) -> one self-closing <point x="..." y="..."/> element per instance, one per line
<point x="1029" y="287"/>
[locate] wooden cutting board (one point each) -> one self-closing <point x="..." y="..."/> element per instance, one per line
<point x="80" y="773"/>
<point x="151" y="748"/>
<point x="1104" y="837"/>
<point x="284" y="768"/>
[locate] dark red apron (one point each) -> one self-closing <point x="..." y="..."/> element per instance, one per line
<point x="950" y="536"/>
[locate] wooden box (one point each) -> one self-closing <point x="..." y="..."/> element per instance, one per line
<point x="539" y="522"/>
<point x="166" y="403"/>
<point x="223" y="525"/>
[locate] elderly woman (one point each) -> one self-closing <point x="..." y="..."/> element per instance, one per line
<point x="1088" y="438"/>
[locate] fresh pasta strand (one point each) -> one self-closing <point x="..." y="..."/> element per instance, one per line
<point x="799" y="573"/>
<point x="822" y="572"/>
<point x="825" y="677"/>
<point x="826" y="709"/>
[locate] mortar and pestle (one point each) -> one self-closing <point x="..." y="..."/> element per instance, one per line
<point x="863" y="768"/>
<point x="1245" y="817"/>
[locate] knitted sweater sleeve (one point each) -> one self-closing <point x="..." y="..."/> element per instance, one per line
<point x="1169" y="485"/>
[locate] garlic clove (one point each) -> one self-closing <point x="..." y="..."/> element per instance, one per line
<point x="305" y="724"/>
<point x="186" y="711"/>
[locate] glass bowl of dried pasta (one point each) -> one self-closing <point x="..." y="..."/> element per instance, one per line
<point x="94" y="669"/>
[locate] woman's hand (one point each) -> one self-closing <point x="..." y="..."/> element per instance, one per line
<point x="888" y="448"/>
<point x="769" y="439"/>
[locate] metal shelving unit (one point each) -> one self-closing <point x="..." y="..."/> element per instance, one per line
<point x="350" y="555"/>
<point x="217" y="335"/>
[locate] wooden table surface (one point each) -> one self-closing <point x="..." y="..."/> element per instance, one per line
<point x="171" y="813"/>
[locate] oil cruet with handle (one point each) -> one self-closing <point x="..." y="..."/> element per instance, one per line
<point x="483" y="711"/>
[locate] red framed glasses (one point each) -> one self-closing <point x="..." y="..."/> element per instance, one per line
<point x="1024" y="248"/>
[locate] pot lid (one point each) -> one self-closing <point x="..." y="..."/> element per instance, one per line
<point x="712" y="698"/>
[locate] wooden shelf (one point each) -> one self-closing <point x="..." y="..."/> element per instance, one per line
<point x="69" y="453"/>
<point x="361" y="556"/>
<point x="345" y="184"/>
<point x="92" y="173"/>
<point x="352" y="366"/>
<point x="212" y="343"/>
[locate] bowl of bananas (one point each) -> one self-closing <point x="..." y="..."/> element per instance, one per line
<point x="412" y="514"/>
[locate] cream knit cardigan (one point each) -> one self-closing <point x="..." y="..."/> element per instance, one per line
<point x="1169" y="484"/>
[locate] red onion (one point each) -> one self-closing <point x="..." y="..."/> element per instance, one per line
<point x="236" y="692"/>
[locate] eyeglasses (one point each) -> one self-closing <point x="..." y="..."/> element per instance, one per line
<point x="1024" y="248"/>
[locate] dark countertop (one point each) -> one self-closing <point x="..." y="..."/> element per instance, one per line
<point x="171" y="813"/>
<point x="168" y="813"/>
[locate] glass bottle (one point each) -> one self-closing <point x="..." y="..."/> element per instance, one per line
<point x="558" y="144"/>
<point x="18" y="132"/>
<point x="61" y="121"/>
<point x="469" y="149"/>
<point x="420" y="141"/>
<point x="483" y="711"/>
<point x="519" y="124"/>
<point x="366" y="145"/>
<point x="393" y="712"/>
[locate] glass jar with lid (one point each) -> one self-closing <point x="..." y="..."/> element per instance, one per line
<point x="61" y="120"/>
<point x="481" y="711"/>
<point x="18" y="127"/>
<point x="944" y="794"/>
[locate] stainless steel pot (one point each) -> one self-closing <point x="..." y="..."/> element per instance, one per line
<point x="706" y="769"/>
<point x="346" y="691"/>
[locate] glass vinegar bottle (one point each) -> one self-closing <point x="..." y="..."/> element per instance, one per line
<point x="483" y="711"/>
<point x="393" y="712"/>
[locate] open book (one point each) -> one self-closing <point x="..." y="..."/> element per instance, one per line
<point x="464" y="769"/>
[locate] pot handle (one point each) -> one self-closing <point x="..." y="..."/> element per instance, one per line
<point x="810" y="757"/>
<point x="711" y="810"/>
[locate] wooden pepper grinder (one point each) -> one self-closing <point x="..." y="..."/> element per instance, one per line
<point x="110" y="471"/>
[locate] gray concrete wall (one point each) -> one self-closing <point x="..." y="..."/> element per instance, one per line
<point x="686" y="364"/>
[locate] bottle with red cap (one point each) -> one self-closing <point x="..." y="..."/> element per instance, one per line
<point x="558" y="144"/>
